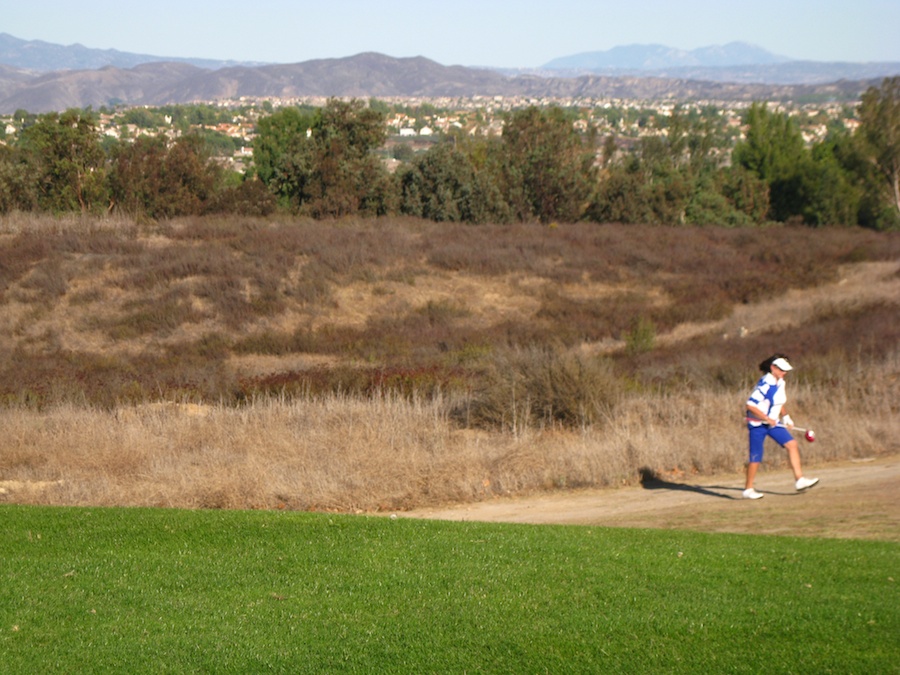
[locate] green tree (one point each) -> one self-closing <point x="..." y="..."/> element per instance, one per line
<point x="245" y="196"/>
<point x="282" y="155"/>
<point x="443" y="184"/>
<point x="774" y="151"/>
<point x="65" y="149"/>
<point x="143" y="118"/>
<point x="829" y="193"/>
<point x="729" y="197"/>
<point x="23" y="118"/>
<point x="150" y="178"/>
<point x="19" y="179"/>
<point x="198" y="114"/>
<point x="403" y="152"/>
<point x="620" y="195"/>
<point x="217" y="143"/>
<point x="879" y="116"/>
<point x="719" y="196"/>
<point x="671" y="178"/>
<point x="346" y="175"/>
<point x="747" y="193"/>
<point x="135" y="175"/>
<point x="324" y="165"/>
<point x="852" y="152"/>
<point x="548" y="166"/>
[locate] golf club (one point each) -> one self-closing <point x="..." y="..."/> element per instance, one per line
<point x="808" y="434"/>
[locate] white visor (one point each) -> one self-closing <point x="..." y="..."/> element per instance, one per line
<point x="782" y="364"/>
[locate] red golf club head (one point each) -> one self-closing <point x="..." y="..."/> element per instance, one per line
<point x="810" y="435"/>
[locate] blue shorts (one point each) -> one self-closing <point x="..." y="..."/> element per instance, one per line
<point x="758" y="436"/>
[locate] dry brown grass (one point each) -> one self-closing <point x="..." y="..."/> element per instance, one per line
<point x="393" y="453"/>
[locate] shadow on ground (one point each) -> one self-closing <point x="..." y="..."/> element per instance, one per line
<point x="650" y="480"/>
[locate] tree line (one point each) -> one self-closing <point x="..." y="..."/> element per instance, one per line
<point x="324" y="163"/>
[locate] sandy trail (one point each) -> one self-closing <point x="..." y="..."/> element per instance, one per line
<point x="855" y="499"/>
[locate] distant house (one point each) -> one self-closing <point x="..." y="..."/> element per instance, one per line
<point x="407" y="132"/>
<point x="425" y="131"/>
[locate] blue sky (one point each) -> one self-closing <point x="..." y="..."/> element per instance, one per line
<point x="522" y="33"/>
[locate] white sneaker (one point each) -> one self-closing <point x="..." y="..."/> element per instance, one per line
<point x="750" y="493"/>
<point x="804" y="483"/>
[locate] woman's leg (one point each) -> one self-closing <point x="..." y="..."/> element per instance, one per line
<point x="793" y="450"/>
<point x="757" y="439"/>
<point x="751" y="474"/>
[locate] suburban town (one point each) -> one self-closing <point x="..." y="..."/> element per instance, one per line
<point x="416" y="123"/>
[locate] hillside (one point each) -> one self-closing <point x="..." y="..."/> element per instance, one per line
<point x="362" y="76"/>
<point x="257" y="305"/>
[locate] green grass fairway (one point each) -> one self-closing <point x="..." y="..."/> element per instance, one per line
<point x="152" y="591"/>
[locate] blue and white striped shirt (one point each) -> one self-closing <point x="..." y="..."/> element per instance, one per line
<point x="769" y="396"/>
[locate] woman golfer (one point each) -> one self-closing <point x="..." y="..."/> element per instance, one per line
<point x="764" y="407"/>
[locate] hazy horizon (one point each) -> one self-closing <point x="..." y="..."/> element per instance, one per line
<point x="467" y="32"/>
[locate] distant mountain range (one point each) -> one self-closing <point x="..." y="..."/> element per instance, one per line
<point x="734" y="62"/>
<point x="46" y="56"/>
<point x="654" y="57"/>
<point x="41" y="77"/>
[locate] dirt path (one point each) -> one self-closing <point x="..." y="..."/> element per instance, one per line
<point x="855" y="499"/>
